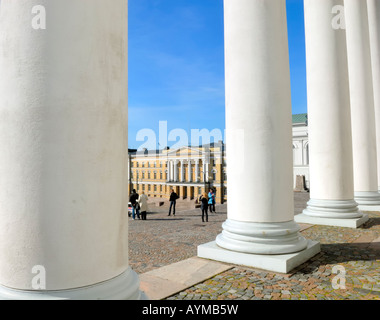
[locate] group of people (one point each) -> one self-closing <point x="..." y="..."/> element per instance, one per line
<point x="139" y="204"/>
<point x="207" y="202"/>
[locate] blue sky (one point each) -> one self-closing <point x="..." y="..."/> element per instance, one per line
<point x="176" y="64"/>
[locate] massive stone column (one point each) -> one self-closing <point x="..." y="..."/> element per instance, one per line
<point x="374" y="33"/>
<point x="362" y="105"/>
<point x="63" y="142"/>
<point x="330" y="143"/>
<point x="260" y="230"/>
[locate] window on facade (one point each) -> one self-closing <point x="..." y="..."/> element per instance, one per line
<point x="148" y="174"/>
<point x="155" y="188"/>
<point x="155" y="176"/>
<point x="160" y="175"/>
<point x="148" y="187"/>
<point x="143" y="175"/>
<point x="143" y="187"/>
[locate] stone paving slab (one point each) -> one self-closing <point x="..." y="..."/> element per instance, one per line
<point x="166" y="281"/>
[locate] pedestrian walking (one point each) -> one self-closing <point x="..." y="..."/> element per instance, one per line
<point x="135" y="206"/>
<point x="172" y="199"/>
<point x="143" y="203"/>
<point x="204" y="206"/>
<point x="211" y="200"/>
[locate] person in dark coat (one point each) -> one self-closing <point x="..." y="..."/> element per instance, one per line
<point x="172" y="199"/>
<point x="204" y="206"/>
<point x="135" y="206"/>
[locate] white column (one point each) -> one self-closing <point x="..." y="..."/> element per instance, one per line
<point x="196" y="170"/>
<point x="329" y="121"/>
<point x="259" y="139"/>
<point x="189" y="171"/>
<point x="182" y="177"/>
<point x="362" y="105"/>
<point x="63" y="143"/>
<point x="171" y="170"/>
<point x="374" y="33"/>
<point x="175" y="164"/>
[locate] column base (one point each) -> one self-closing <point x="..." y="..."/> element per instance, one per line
<point x="339" y="213"/>
<point x="282" y="263"/>
<point x="122" y="287"/>
<point x="369" y="208"/>
<point x="261" y="238"/>
<point x="348" y="223"/>
<point x="369" y="200"/>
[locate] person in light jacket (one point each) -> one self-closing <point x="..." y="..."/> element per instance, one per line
<point x="143" y="202"/>
<point x="211" y="201"/>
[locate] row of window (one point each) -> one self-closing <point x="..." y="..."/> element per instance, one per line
<point x="136" y="175"/>
<point x="136" y="164"/>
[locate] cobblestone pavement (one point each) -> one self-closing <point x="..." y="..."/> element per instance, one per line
<point x="346" y="253"/>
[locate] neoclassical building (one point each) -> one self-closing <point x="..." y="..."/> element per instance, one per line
<point x="191" y="171"/>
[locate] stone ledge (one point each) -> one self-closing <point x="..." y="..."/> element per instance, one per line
<point x="349" y="223"/>
<point x="283" y="263"/>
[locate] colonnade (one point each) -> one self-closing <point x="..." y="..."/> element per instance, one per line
<point x="175" y="175"/>
<point x="63" y="134"/>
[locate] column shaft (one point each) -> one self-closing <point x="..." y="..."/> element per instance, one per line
<point x="259" y="133"/>
<point x="63" y="140"/>
<point x="331" y="162"/>
<point x="362" y="103"/>
<point x="374" y="33"/>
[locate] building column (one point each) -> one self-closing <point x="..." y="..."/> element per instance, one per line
<point x="175" y="164"/>
<point x="196" y="170"/>
<point x="329" y="120"/>
<point x="167" y="171"/>
<point x="362" y="106"/>
<point x="182" y="177"/>
<point x="189" y="171"/>
<point x="260" y="230"/>
<point x="170" y="170"/>
<point x="374" y="33"/>
<point x="63" y="186"/>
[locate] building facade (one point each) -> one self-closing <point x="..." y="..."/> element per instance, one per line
<point x="193" y="170"/>
<point x="189" y="171"/>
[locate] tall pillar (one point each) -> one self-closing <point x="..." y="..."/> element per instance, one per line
<point x="362" y="105"/>
<point x="196" y="170"/>
<point x="260" y="230"/>
<point x="189" y="171"/>
<point x="374" y="33"/>
<point x="63" y="141"/>
<point x="182" y="177"/>
<point x="329" y="121"/>
<point x="175" y="170"/>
